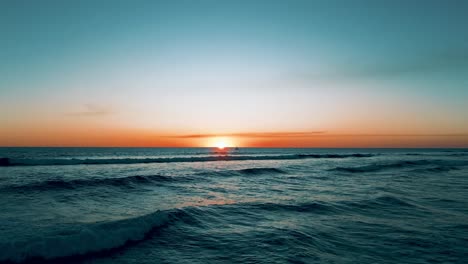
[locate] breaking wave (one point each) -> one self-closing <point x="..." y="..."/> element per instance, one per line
<point x="84" y="239"/>
<point x="87" y="240"/>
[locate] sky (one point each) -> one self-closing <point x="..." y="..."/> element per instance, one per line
<point x="237" y="73"/>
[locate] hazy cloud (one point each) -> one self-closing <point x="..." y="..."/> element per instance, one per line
<point x="310" y="134"/>
<point x="254" y="134"/>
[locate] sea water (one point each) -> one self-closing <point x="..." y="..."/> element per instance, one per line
<point x="247" y="205"/>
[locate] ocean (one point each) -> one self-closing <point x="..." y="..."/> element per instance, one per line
<point x="247" y="205"/>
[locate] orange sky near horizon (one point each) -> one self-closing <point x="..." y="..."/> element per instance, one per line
<point x="105" y="137"/>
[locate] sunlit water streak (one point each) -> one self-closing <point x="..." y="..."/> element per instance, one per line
<point x="198" y="205"/>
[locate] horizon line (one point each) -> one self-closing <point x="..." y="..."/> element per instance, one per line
<point x="292" y="147"/>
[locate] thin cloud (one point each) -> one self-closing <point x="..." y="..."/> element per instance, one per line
<point x="401" y="135"/>
<point x="253" y="134"/>
<point x="92" y="110"/>
<point x="310" y="134"/>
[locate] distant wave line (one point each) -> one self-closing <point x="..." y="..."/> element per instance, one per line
<point x="312" y="134"/>
<point x="56" y="162"/>
<point x="132" y="181"/>
<point x="440" y="165"/>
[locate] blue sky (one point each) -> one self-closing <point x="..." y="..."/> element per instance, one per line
<point x="357" y="67"/>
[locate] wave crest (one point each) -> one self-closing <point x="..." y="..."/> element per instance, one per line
<point x="442" y="165"/>
<point x="130" y="181"/>
<point x="125" y="182"/>
<point x="304" y="207"/>
<point x="85" y="239"/>
<point x="57" y="162"/>
<point x="259" y="171"/>
<point x="380" y="203"/>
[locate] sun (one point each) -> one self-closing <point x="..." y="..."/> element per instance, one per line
<point x="220" y="143"/>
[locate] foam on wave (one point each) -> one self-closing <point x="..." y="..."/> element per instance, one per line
<point x="45" y="162"/>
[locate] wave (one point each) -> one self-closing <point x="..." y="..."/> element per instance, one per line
<point x="378" y="202"/>
<point x="85" y="239"/>
<point x="455" y="150"/>
<point x="56" y="162"/>
<point x="130" y="181"/>
<point x="304" y="207"/>
<point x="443" y="154"/>
<point x="335" y="156"/>
<point x="438" y="169"/>
<point x="256" y="171"/>
<point x="125" y="182"/>
<point x="248" y="171"/>
<point x="444" y="165"/>
<point x="458" y="155"/>
<point x="80" y="242"/>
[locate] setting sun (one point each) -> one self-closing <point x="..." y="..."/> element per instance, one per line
<point x="221" y="145"/>
<point x="221" y="142"/>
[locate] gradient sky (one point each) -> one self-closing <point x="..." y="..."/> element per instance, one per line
<point x="251" y="73"/>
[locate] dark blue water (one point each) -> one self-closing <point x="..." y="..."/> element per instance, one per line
<point x="199" y="205"/>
